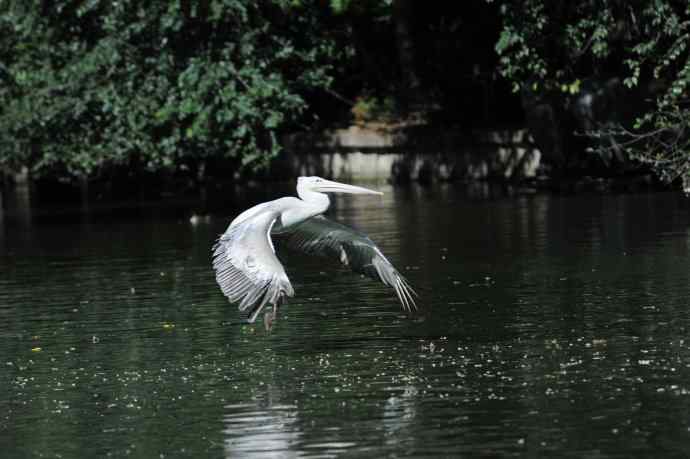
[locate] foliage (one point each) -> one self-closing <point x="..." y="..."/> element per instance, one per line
<point x="157" y="85"/>
<point x="550" y="46"/>
<point x="376" y="8"/>
<point x="372" y="108"/>
<point x="434" y="60"/>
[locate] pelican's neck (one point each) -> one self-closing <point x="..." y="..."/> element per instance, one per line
<point x="320" y="201"/>
<point x="295" y="211"/>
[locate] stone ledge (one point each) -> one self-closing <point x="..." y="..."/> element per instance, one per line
<point x="417" y="152"/>
<point x="378" y="137"/>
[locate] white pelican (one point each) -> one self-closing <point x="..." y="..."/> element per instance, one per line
<point x="244" y="259"/>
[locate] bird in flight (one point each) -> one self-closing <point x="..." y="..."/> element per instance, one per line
<point x="249" y="272"/>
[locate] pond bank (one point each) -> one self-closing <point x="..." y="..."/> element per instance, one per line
<point x="396" y="154"/>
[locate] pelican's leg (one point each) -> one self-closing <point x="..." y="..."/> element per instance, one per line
<point x="252" y="317"/>
<point x="275" y="312"/>
<point x="270" y="317"/>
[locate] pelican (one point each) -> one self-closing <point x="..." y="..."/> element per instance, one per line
<point x="249" y="272"/>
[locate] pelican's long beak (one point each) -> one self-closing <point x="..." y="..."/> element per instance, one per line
<point x="327" y="186"/>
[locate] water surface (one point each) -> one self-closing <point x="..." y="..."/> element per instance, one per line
<point x="551" y="326"/>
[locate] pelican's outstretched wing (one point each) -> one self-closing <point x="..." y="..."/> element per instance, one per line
<point x="321" y="236"/>
<point x="247" y="269"/>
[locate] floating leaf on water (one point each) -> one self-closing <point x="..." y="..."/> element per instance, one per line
<point x="36" y="349"/>
<point x="168" y="326"/>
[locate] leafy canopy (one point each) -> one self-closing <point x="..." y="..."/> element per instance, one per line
<point x="553" y="45"/>
<point x="86" y="85"/>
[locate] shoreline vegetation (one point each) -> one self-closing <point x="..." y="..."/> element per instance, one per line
<point x="179" y="199"/>
<point x="171" y="96"/>
<point x="152" y="191"/>
<point x="123" y="185"/>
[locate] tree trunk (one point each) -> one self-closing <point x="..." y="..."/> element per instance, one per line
<point x="402" y="15"/>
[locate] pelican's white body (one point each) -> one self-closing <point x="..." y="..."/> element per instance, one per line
<point x="247" y="268"/>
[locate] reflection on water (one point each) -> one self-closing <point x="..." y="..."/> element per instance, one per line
<point x="256" y="431"/>
<point x="551" y="326"/>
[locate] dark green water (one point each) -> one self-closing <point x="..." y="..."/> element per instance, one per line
<point x="553" y="326"/>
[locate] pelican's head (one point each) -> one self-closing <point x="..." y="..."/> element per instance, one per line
<point x="319" y="185"/>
